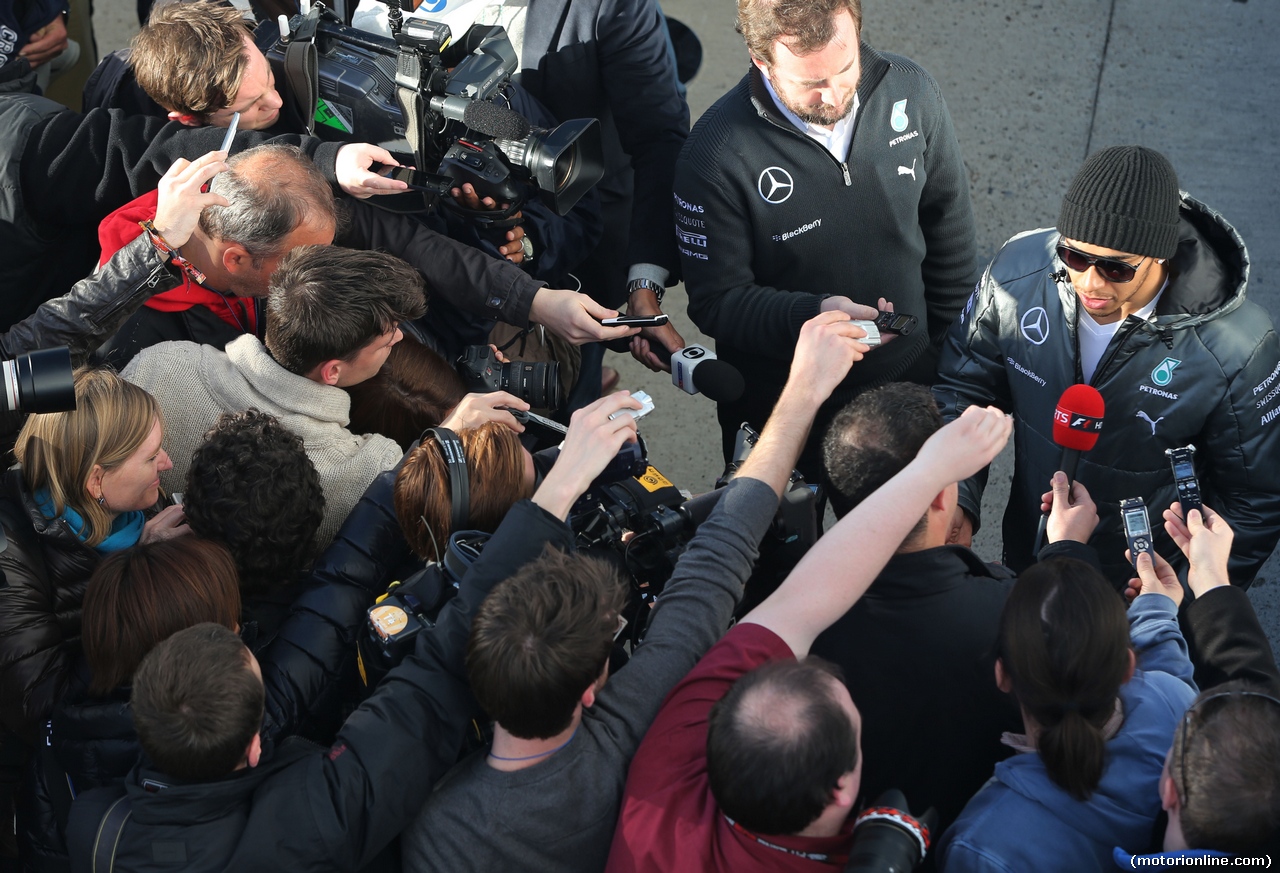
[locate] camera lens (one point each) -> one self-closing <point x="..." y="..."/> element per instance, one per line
<point x="536" y="383"/>
<point x="41" y="381"/>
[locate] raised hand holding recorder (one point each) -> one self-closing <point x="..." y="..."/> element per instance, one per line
<point x="595" y="435"/>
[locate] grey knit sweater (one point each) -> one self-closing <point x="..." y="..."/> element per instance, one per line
<point x="195" y="384"/>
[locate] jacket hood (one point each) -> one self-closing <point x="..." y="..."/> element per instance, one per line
<point x="1209" y="271"/>
<point x="1126" y="802"/>
<point x="94" y="739"/>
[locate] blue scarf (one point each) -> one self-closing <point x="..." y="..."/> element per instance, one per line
<point x="126" y="529"/>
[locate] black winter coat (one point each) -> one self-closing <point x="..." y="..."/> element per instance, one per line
<point x="46" y="569"/>
<point x="305" y="808"/>
<point x="308" y="667"/>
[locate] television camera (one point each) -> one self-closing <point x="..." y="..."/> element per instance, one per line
<point x="441" y="106"/>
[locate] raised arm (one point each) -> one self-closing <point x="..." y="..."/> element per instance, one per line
<point x="826" y="583"/>
<point x="97" y="306"/>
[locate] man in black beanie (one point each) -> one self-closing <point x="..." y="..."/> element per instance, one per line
<point x="1139" y="292"/>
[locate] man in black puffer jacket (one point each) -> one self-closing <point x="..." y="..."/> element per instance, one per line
<point x="1139" y="292"/>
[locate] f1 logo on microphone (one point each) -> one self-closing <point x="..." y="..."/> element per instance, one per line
<point x="1075" y="421"/>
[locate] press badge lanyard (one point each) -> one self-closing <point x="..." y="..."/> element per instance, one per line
<point x="822" y="857"/>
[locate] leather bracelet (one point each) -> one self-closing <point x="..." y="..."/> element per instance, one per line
<point x="636" y="284"/>
<point x="170" y="253"/>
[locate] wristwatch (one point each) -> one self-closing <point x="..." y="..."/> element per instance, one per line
<point x="526" y="247"/>
<point x="636" y="284"/>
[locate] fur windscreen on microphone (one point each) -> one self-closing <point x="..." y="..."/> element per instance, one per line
<point x="718" y="380"/>
<point x="495" y="121"/>
<point x="1077" y="419"/>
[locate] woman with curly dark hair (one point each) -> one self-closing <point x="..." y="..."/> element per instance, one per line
<point x="252" y="488"/>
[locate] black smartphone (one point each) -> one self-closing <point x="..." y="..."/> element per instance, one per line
<point x="417" y="180"/>
<point x="636" y="320"/>
<point x="900" y="324"/>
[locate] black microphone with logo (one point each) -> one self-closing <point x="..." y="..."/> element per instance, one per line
<point x="1077" y="420"/>
<point x="695" y="369"/>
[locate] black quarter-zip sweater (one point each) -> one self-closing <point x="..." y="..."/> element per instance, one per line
<point x="769" y="223"/>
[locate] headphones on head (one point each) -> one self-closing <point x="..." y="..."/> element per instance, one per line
<point x="459" y="481"/>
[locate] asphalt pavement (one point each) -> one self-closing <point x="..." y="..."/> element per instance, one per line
<point x="1033" y="88"/>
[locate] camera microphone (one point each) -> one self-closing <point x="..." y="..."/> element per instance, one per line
<point x="718" y="380"/>
<point x="483" y="117"/>
<point x="1077" y="420"/>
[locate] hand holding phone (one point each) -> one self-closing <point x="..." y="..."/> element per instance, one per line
<point x="636" y="320"/>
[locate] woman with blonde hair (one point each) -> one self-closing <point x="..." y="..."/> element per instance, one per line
<point x="81" y="488"/>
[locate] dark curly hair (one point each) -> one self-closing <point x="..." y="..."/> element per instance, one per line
<point x="252" y="488"/>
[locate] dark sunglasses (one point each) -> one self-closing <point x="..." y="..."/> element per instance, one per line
<point x="1185" y="728"/>
<point x="1111" y="269"/>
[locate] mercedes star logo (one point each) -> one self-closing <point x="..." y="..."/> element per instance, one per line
<point x="775" y="185"/>
<point x="1035" y="325"/>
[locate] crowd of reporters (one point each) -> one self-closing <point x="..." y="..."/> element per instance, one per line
<point x="288" y="592"/>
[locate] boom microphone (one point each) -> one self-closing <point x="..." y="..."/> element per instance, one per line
<point x="1077" y="420"/>
<point x="718" y="380"/>
<point x="482" y="117"/>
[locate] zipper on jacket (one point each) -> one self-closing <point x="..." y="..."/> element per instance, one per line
<point x="1115" y="350"/>
<point x="789" y="128"/>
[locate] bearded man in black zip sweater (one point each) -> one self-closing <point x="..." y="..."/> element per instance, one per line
<point x="828" y="178"/>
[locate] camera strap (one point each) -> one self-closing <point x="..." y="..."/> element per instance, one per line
<point x="302" y="68"/>
<point x="409" y="96"/>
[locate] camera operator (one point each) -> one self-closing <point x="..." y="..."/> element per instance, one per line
<point x="278" y="200"/>
<point x="1221" y="781"/>
<point x="198" y="61"/>
<point x="928" y="622"/>
<point x="608" y="59"/>
<point x="332" y="317"/>
<point x="545" y="795"/>
<point x="211" y="793"/>
<point x="499" y="471"/>
<point x="753" y="762"/>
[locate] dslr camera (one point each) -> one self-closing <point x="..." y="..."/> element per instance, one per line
<point x="536" y="383"/>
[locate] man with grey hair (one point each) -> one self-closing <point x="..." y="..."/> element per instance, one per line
<point x="276" y="200"/>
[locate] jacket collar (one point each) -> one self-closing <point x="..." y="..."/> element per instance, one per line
<point x="874" y="68"/>
<point x="16" y="486"/>
<point x="160" y="799"/>
<point x="930" y="571"/>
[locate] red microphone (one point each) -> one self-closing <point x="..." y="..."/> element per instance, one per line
<point x="1077" y="420"/>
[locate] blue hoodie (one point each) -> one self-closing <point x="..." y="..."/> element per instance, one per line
<point x="1021" y="821"/>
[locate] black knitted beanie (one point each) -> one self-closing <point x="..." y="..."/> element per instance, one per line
<point x="1124" y="198"/>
